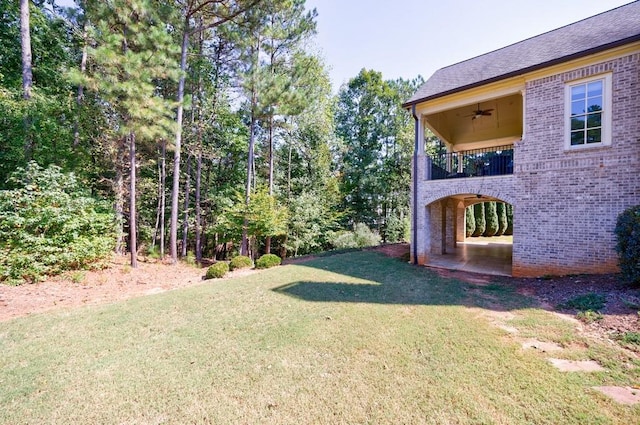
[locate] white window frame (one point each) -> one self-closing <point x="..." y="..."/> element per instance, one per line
<point x="607" y="103"/>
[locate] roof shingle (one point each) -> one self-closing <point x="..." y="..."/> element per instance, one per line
<point x="600" y="32"/>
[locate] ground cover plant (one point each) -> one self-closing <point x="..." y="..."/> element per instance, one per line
<point x="348" y="338"/>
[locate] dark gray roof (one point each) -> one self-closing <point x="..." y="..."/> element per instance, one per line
<point x="600" y="32"/>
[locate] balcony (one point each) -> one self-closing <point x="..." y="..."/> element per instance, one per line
<point x="495" y="161"/>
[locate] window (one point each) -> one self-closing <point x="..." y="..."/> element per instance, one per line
<point x="588" y="103"/>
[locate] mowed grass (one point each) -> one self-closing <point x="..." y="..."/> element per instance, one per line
<point x="347" y="339"/>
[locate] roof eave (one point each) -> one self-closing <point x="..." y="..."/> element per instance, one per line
<point x="522" y="71"/>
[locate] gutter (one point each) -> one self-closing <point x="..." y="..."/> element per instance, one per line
<point x="414" y="218"/>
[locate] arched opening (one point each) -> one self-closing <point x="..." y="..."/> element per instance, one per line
<point x="471" y="232"/>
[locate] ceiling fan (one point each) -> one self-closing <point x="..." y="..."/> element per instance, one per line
<point x="480" y="113"/>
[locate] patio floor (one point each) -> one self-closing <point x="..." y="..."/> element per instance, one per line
<point x="478" y="255"/>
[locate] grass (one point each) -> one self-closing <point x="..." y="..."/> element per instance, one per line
<point x="586" y="302"/>
<point x="351" y="338"/>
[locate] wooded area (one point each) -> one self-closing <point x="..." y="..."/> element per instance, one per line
<point x="202" y="128"/>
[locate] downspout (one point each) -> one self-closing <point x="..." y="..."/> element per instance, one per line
<point x="414" y="218"/>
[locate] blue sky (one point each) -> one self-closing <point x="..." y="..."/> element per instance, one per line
<point x="411" y="37"/>
<point x="407" y="38"/>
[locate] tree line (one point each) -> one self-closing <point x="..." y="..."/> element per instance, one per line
<point x="209" y="127"/>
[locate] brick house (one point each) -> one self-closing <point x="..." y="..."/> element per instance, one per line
<point x="550" y="125"/>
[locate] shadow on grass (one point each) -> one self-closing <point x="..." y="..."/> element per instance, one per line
<point x="369" y="277"/>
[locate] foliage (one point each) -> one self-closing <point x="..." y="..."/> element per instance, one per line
<point x="589" y="316"/>
<point x="217" y="270"/>
<point x="586" y="302"/>
<point x="310" y="223"/>
<point x="470" y="221"/>
<point x="268" y="261"/>
<point x="491" y="219"/>
<point x="627" y="232"/>
<point x="49" y="224"/>
<point x="509" y="211"/>
<point x="501" y="210"/>
<point x="478" y="212"/>
<point x="361" y="237"/>
<point x="240" y="262"/>
<point x="397" y="228"/>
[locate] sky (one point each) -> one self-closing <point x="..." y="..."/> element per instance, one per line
<point x="407" y="38"/>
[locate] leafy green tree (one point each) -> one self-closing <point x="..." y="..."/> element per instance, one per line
<point x="470" y="221"/>
<point x="481" y="224"/>
<point x="491" y="219"/>
<point x="49" y="224"/>
<point x="375" y="155"/>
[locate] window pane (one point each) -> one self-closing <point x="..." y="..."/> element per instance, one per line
<point x="577" y="108"/>
<point x="578" y="92"/>
<point x="594" y="120"/>
<point x="577" y="138"/>
<point x="594" y="136"/>
<point x="594" y="104"/>
<point x="595" y="89"/>
<point x="577" y="123"/>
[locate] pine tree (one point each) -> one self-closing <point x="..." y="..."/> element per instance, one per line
<point x="131" y="51"/>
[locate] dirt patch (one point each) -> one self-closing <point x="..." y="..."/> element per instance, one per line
<point x="118" y="282"/>
<point x="576" y="365"/>
<point x="623" y="395"/>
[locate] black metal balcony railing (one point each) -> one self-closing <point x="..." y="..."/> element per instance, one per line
<point x="495" y="161"/>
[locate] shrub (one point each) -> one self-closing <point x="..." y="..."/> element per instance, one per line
<point x="501" y="210"/>
<point x="470" y="221"/>
<point x="586" y="302"/>
<point x="267" y="261"/>
<point x="49" y="224"/>
<point x="491" y="218"/>
<point x="240" y="262"/>
<point x="509" y="210"/>
<point x="345" y="240"/>
<point x="217" y="270"/>
<point x="364" y="236"/>
<point x="478" y="212"/>
<point x="628" y="244"/>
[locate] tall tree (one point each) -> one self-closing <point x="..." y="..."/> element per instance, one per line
<point x="131" y="51"/>
<point x="212" y="13"/>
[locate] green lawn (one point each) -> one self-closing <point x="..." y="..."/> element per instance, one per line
<point x="352" y="338"/>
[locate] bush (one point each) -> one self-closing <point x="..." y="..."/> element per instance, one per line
<point x="268" y="261"/>
<point x="628" y="247"/>
<point x="501" y="210"/>
<point x="240" y="262"/>
<point x="509" y="210"/>
<point x="478" y="212"/>
<point x="217" y="270"/>
<point x="470" y="221"/>
<point x="49" y="224"/>
<point x="491" y="218"/>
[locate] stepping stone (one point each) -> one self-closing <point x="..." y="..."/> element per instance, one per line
<point x="576" y="365"/>
<point x="540" y="345"/>
<point x="622" y="395"/>
<point x="509" y="329"/>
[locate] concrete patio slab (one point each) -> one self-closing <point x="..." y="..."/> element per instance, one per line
<point x="622" y="395"/>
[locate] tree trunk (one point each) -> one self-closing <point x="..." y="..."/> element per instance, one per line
<point x="25" y="41"/>
<point x="173" y="238"/>
<point x="118" y="205"/>
<point x="27" y="73"/>
<point x="185" y="224"/>
<point x="198" y="226"/>
<point x="163" y="196"/>
<point x="133" y="240"/>
<point x="80" y="96"/>
<point x="244" y="248"/>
